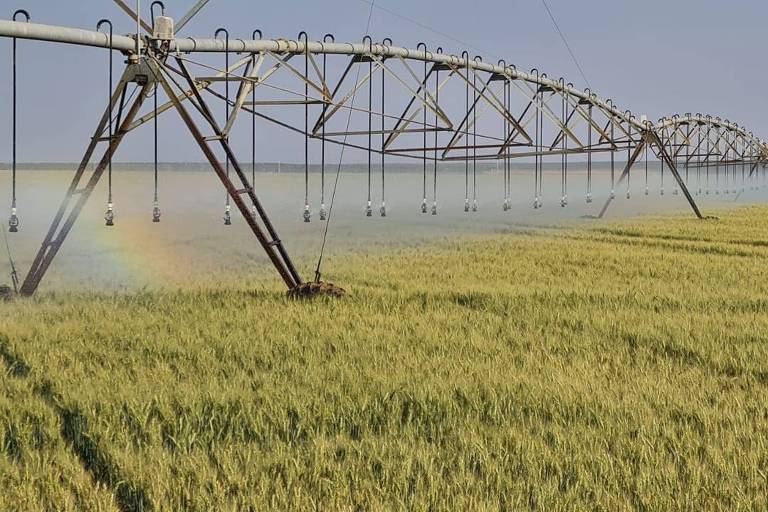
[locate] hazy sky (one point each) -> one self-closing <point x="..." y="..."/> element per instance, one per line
<point x="655" y="57"/>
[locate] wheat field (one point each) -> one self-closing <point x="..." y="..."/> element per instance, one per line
<point x="620" y="366"/>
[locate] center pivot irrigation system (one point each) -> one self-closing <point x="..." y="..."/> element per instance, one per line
<point x="423" y="105"/>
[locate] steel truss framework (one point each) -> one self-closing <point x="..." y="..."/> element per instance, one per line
<point x="432" y="107"/>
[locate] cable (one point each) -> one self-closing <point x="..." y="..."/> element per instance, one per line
<point x="425" y="27"/>
<point x="565" y="42"/>
<point x="338" y="169"/>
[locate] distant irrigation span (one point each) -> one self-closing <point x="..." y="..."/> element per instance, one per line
<point x="418" y="104"/>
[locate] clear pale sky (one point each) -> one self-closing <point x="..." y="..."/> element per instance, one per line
<point x="655" y="57"/>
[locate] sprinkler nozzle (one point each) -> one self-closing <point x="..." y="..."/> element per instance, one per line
<point x="323" y="212"/>
<point x="13" y="222"/>
<point x="434" y="208"/>
<point x="156" y="213"/>
<point x="424" y="206"/>
<point x="474" y="205"/>
<point x="227" y="216"/>
<point x="466" y="205"/>
<point x="307" y="214"/>
<point x="368" y="210"/>
<point x="109" y="216"/>
<point x="383" y="209"/>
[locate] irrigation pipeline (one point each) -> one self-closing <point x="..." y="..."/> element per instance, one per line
<point x="495" y="123"/>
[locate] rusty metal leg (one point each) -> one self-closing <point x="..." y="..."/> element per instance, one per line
<point x="75" y="198"/>
<point x="273" y="246"/>
<point x="625" y="174"/>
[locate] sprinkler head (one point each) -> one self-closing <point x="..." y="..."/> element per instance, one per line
<point x="13" y="222"/>
<point x="307" y="214"/>
<point x="323" y="212"/>
<point x="383" y="209"/>
<point x="563" y="202"/>
<point x="434" y="208"/>
<point x="368" y="210"/>
<point x="505" y="205"/>
<point x="662" y="191"/>
<point x="613" y="194"/>
<point x="474" y="206"/>
<point x="646" y="190"/>
<point x="536" y="203"/>
<point x="156" y="213"/>
<point x="589" y="197"/>
<point x="109" y="216"/>
<point x="466" y="205"/>
<point x="227" y="216"/>
<point x="424" y="206"/>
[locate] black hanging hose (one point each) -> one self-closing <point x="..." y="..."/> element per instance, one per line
<point x="13" y="221"/>
<point x="437" y="121"/>
<point x="565" y="145"/>
<point x="474" y="141"/>
<point x="562" y="143"/>
<point x="253" y="118"/>
<point x="629" y="153"/>
<point x="661" y="163"/>
<point x="323" y="212"/>
<point x="368" y="207"/>
<point x="717" y="162"/>
<point x="645" y="150"/>
<point x="227" y="208"/>
<point x="307" y="212"/>
<point x="465" y="56"/>
<point x="688" y="150"/>
<point x="540" y="149"/>
<point x="383" y="209"/>
<point x="675" y="154"/>
<point x="536" y="150"/>
<point x="109" y="215"/>
<point x="423" y="47"/>
<point x="155" y="203"/>
<point x="698" y="157"/>
<point x="613" y="155"/>
<point x="505" y="134"/>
